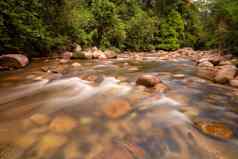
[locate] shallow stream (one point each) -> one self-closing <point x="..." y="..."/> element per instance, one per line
<point x="67" y="115"/>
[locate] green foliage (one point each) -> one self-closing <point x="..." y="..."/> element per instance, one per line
<point x="41" y="26"/>
<point x="142" y="30"/>
<point x="171" y="31"/>
<point x="23" y="28"/>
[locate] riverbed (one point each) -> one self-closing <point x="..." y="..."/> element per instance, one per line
<point x="50" y="110"/>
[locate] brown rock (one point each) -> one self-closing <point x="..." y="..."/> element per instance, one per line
<point x="110" y="54"/>
<point x="206" y="73"/>
<point x="148" y="80"/>
<point x="63" y="124"/>
<point x="49" y="144"/>
<point x="214" y="129"/>
<point x="234" y="83"/>
<point x="162" y="88"/>
<point x="102" y="56"/>
<point x="225" y="74"/>
<point x="116" y="109"/>
<point x="10" y="61"/>
<point x="40" y="119"/>
<point x="205" y="64"/>
<point x="91" y="78"/>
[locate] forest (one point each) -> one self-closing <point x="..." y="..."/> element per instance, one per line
<point x="39" y="27"/>
<point x="118" y="79"/>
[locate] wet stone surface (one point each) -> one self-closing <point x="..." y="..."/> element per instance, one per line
<point x="96" y="111"/>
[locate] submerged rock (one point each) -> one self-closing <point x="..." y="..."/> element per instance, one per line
<point x="40" y="119"/>
<point x="49" y="144"/>
<point x="215" y="129"/>
<point x="148" y="80"/>
<point x="63" y="124"/>
<point x="11" y="61"/>
<point x="116" y="109"/>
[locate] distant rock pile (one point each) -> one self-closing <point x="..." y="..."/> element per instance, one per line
<point x="89" y="53"/>
<point x="219" y="69"/>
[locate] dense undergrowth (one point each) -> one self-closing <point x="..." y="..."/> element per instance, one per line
<point x="39" y="27"/>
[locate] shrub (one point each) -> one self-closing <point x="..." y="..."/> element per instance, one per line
<point x="171" y="31"/>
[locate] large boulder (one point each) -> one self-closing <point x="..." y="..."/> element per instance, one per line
<point x="148" y="80"/>
<point x="208" y="73"/>
<point x="205" y="64"/>
<point x="10" y="61"/>
<point x="225" y="74"/>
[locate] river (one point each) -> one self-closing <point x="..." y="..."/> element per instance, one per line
<point x="66" y="115"/>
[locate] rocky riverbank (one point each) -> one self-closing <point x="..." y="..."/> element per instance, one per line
<point x="132" y="106"/>
<point x="211" y="65"/>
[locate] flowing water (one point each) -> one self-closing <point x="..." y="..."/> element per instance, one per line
<point x="66" y="116"/>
